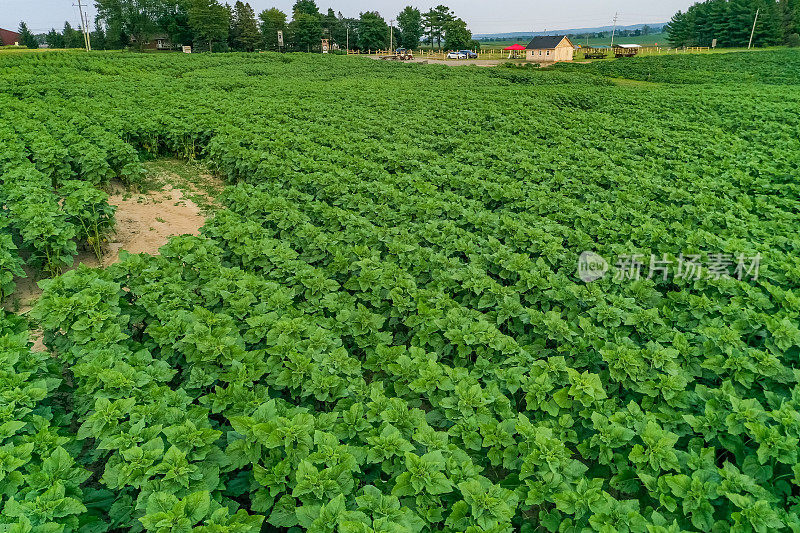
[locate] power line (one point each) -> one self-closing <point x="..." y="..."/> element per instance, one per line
<point x="614" y="31"/>
<point x="84" y="28"/>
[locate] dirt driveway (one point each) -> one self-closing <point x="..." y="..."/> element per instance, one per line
<point x="451" y="62"/>
<point x="460" y="62"/>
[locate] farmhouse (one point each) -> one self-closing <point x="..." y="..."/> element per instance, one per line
<point x="550" y="48"/>
<point x="9" y="38"/>
<point x="157" y="42"/>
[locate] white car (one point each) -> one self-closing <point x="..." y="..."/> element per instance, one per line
<point x="456" y="55"/>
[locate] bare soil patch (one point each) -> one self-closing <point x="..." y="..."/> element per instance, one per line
<point x="145" y="222"/>
<point x="178" y="198"/>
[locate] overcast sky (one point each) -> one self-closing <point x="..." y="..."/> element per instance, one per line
<point x="483" y="16"/>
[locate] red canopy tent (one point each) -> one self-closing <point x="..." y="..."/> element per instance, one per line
<point x="514" y="48"/>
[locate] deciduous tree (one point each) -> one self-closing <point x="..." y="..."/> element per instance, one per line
<point x="134" y="19"/>
<point x="272" y="21"/>
<point x="373" y="32"/>
<point x="306" y="31"/>
<point x="411" y="30"/>
<point x="210" y="20"/>
<point x="173" y="20"/>
<point x="456" y="34"/>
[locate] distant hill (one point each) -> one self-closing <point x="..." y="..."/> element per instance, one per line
<point x="655" y="28"/>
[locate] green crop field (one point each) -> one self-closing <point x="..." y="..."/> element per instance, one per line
<point x="430" y="299"/>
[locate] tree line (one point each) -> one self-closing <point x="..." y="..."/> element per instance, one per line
<point x="211" y="25"/>
<point x="730" y="22"/>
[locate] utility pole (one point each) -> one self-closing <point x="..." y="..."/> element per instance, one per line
<point x="348" y="37"/>
<point x="614" y="31"/>
<point x="753" y="31"/>
<point x="88" y="33"/>
<point x="391" y="35"/>
<point x="83" y="27"/>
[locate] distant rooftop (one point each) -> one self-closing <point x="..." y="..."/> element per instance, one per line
<point x="545" y="42"/>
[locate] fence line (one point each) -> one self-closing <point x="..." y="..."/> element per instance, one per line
<point x="493" y="53"/>
<point x="435" y="54"/>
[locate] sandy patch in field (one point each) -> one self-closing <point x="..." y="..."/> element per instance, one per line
<point x="145" y="222"/>
<point x="181" y="196"/>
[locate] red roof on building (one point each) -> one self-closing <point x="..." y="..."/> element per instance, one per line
<point x="8" y="37"/>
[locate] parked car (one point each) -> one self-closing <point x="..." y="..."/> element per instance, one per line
<point x="469" y="53"/>
<point x="456" y="55"/>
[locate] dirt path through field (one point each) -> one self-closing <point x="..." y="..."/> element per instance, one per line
<point x="177" y="203"/>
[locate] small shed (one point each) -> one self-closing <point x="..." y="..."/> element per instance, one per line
<point x="9" y="38"/>
<point x="550" y="48"/>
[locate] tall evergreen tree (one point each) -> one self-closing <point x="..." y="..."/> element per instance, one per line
<point x="741" y="14"/>
<point x="790" y="17"/>
<point x="710" y="23"/>
<point x="339" y="30"/>
<point x="72" y="37"/>
<point x="307" y="7"/>
<point x="769" y="28"/>
<point x="731" y="22"/>
<point x="98" y="38"/>
<point x="680" y="29"/>
<point x="244" y="28"/>
<point x="54" y="39"/>
<point x="26" y="38"/>
<point x="434" y="21"/>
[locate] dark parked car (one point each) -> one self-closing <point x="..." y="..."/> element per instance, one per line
<point x="469" y="53"/>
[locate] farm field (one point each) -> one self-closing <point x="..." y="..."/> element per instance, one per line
<point x="655" y="39"/>
<point x="429" y="299"/>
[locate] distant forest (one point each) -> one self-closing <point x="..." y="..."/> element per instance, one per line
<point x="216" y="26"/>
<point x="730" y="22"/>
